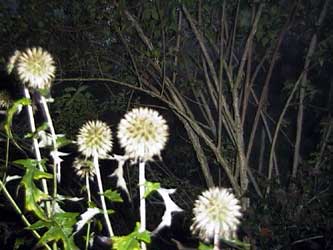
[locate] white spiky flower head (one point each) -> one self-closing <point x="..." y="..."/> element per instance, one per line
<point x="216" y="211"/>
<point x="143" y="133"/>
<point x="35" y="68"/>
<point x="83" y="168"/>
<point x="12" y="61"/>
<point x="95" y="137"/>
<point x="5" y="99"/>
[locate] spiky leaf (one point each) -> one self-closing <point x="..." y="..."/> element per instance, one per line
<point x="59" y="229"/>
<point x="131" y="241"/>
<point x="151" y="187"/>
<point x="113" y="195"/>
<point x="33" y="195"/>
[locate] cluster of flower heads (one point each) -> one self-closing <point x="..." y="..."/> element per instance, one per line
<point x="143" y="133"/>
<point x="35" y="67"/>
<point x="216" y="211"/>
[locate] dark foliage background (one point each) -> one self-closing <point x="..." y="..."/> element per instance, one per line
<point x="105" y="66"/>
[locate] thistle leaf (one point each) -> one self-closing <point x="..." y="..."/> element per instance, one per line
<point x="131" y="241"/>
<point x="33" y="195"/>
<point x="113" y="195"/>
<point x="151" y="187"/>
<point x="59" y="229"/>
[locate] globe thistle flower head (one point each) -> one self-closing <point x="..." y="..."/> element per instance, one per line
<point x="84" y="168"/>
<point x="12" y="61"/>
<point x="143" y="133"/>
<point x="35" y="68"/>
<point x="5" y="99"/>
<point x="216" y="211"/>
<point x="95" y="137"/>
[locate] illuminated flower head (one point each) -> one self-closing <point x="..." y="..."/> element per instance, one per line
<point x="216" y="211"/>
<point x="83" y="168"/>
<point x="5" y="99"/>
<point x="143" y="133"/>
<point x="95" y="136"/>
<point x="35" y="68"/>
<point x="12" y="61"/>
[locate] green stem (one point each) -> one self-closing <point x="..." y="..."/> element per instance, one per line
<point x="142" y="181"/>
<point x="18" y="211"/>
<point x="6" y="160"/>
<point x="101" y="191"/>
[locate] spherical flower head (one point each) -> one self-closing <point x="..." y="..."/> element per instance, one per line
<point x="216" y="211"/>
<point x="12" y="61"/>
<point x="95" y="137"/>
<point x="84" y="168"/>
<point x="143" y="133"/>
<point x="5" y="99"/>
<point x="35" y="68"/>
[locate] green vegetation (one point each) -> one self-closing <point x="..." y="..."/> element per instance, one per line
<point x="245" y="88"/>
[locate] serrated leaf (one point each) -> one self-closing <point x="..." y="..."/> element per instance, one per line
<point x="56" y="234"/>
<point x="62" y="141"/>
<point x="42" y="175"/>
<point x="39" y="224"/>
<point x="125" y="243"/>
<point x="33" y="195"/>
<point x="16" y="106"/>
<point x="110" y="211"/>
<point x="131" y="241"/>
<point x="151" y="187"/>
<point x="113" y="195"/>
<point x="60" y="229"/>
<point x="26" y="162"/>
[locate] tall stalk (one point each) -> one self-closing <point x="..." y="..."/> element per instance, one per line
<point x="56" y="165"/>
<point x="36" y="146"/>
<point x="89" y="201"/>
<point x="101" y="194"/>
<point x="142" y="181"/>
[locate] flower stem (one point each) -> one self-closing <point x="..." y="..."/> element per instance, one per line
<point x="36" y="147"/>
<point x="216" y="240"/>
<point x="100" y="187"/>
<point x="142" y="181"/>
<point x="89" y="200"/>
<point x="18" y="211"/>
<point x="56" y="166"/>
